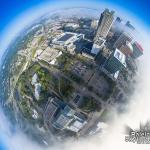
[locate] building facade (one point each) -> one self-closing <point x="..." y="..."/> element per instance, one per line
<point x="63" y="117"/>
<point x="116" y="62"/>
<point x="122" y="39"/>
<point x="105" y="23"/>
<point x="127" y="49"/>
<point x="137" y="50"/>
<point x="97" y="46"/>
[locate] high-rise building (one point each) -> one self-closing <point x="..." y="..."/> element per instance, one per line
<point x="137" y="50"/>
<point x="122" y="39"/>
<point x="117" y="26"/>
<point x="94" y="24"/>
<point x="116" y="62"/>
<point x="102" y="56"/>
<point x="127" y="49"/>
<point x="104" y="24"/>
<point x="118" y="20"/>
<point x="129" y="25"/>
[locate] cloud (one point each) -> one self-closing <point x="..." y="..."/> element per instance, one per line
<point x="114" y="138"/>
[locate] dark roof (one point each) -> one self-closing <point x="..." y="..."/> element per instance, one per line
<point x="65" y="37"/>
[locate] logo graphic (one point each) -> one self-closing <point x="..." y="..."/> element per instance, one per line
<point x="139" y="136"/>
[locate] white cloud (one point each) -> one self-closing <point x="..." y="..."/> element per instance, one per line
<point x="139" y="111"/>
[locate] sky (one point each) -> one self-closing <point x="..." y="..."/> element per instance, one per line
<point x="9" y="9"/>
<point x="16" y="14"/>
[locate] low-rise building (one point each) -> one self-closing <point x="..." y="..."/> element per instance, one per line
<point x="68" y="40"/>
<point x="51" y="109"/>
<point x="72" y="25"/>
<point x="49" y="55"/>
<point x="98" y="45"/>
<point x="37" y="90"/>
<point x="77" y="124"/>
<point x="63" y="117"/>
<point x="37" y="86"/>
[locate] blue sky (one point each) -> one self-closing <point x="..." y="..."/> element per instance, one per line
<point x="11" y="9"/>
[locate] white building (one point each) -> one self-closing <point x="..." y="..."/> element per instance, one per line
<point x="68" y="119"/>
<point x="94" y="24"/>
<point x="49" y="55"/>
<point x="67" y="40"/>
<point x="98" y="45"/>
<point x="73" y="25"/>
<point x="37" y="86"/>
<point x="34" y="79"/>
<point x="37" y="90"/>
<point x="77" y="124"/>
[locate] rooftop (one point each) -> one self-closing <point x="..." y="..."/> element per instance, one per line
<point x="65" y="37"/>
<point x="49" y="55"/>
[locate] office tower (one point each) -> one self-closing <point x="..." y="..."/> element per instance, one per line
<point x="118" y="20"/>
<point x="94" y="24"/>
<point x="117" y="25"/>
<point x="115" y="62"/>
<point x="122" y="39"/>
<point x="137" y="50"/>
<point x="97" y="46"/>
<point x="104" y="24"/>
<point x="102" y="56"/>
<point x="127" y="49"/>
<point x="129" y="25"/>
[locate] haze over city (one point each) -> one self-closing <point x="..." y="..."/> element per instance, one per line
<point x="138" y="107"/>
